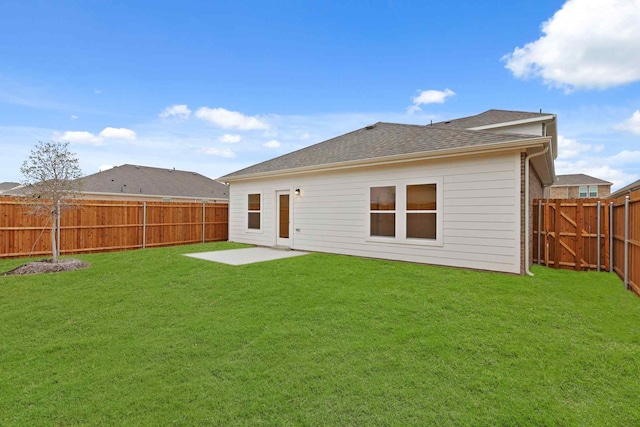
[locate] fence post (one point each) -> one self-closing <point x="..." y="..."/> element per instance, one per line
<point x="626" y="242"/>
<point x="539" y="227"/>
<point x="144" y="225"/>
<point x="203" y="212"/>
<point x="598" y="238"/>
<point x="610" y="237"/>
<point x="58" y="230"/>
<point x="558" y="227"/>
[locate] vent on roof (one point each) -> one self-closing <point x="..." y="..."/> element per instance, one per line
<point x="370" y="127"/>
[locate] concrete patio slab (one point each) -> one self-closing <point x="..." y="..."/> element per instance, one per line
<point x="246" y="256"/>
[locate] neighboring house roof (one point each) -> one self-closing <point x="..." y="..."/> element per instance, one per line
<point x="491" y="117"/>
<point x="626" y="190"/>
<point x="577" y="179"/>
<point x="379" y="141"/>
<point x="144" y="180"/>
<point x="6" y="186"/>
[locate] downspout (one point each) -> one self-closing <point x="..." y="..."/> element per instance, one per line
<point x="526" y="207"/>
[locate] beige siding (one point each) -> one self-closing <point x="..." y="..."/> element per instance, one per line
<point x="479" y="211"/>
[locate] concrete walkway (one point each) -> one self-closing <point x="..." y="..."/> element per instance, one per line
<point x="246" y="256"/>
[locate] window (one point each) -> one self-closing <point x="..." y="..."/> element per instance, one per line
<point x="421" y="211"/>
<point x="588" y="191"/>
<point x="382" y="207"/>
<point x="407" y="213"/>
<point x="582" y="192"/>
<point x="253" y="215"/>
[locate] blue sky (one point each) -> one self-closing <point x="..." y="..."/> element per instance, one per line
<point x="213" y="87"/>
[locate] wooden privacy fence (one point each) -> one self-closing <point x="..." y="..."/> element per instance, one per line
<point x="590" y="234"/>
<point x="101" y="226"/>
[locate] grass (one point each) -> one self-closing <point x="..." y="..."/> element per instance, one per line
<point x="151" y="337"/>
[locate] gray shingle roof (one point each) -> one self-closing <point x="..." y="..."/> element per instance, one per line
<point x="578" y="179"/>
<point x="626" y="190"/>
<point x="132" y="179"/>
<point x="379" y="141"/>
<point x="5" y="186"/>
<point x="490" y="117"/>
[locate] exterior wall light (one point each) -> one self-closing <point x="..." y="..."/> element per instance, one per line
<point x="296" y="191"/>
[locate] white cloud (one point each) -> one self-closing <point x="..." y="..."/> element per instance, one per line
<point x="626" y="157"/>
<point x="84" y="137"/>
<point x="230" y="139"/>
<point x="230" y="119"/>
<point x="412" y="109"/>
<point x="97" y="91"/>
<point x="432" y="97"/>
<point x="227" y="153"/>
<point x="569" y="148"/>
<point x="632" y="124"/>
<point x="586" y="44"/>
<point x="178" y="111"/>
<point x="576" y="157"/>
<point x="117" y="133"/>
<point x="610" y="173"/>
<point x="79" y="137"/>
<point x="271" y="144"/>
<point x="74" y="117"/>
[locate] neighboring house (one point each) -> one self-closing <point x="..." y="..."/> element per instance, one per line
<point x="7" y="186"/>
<point x="454" y="193"/>
<point x="634" y="186"/>
<point x="578" y="186"/>
<point x="143" y="183"/>
<point x="133" y="182"/>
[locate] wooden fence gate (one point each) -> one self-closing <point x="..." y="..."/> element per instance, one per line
<point x="590" y="234"/>
<point x="572" y="234"/>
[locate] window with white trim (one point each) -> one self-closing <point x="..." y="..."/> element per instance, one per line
<point x="407" y="213"/>
<point x="382" y="211"/>
<point x="421" y="211"/>
<point x="254" y="211"/>
<point x="586" y="191"/>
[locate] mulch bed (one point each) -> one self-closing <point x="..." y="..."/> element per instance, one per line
<point x="47" y="266"/>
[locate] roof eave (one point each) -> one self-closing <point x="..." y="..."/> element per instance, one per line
<point x="421" y="155"/>
<point x="515" y="122"/>
<point x="105" y="193"/>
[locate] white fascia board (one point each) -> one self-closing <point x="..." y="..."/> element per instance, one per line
<point x="521" y="144"/>
<point x="515" y="122"/>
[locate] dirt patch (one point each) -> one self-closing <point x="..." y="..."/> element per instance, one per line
<point x="47" y="266"/>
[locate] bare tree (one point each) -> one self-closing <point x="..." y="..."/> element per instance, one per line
<point x="50" y="176"/>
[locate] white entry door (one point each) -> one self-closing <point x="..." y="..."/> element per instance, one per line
<point x="284" y="219"/>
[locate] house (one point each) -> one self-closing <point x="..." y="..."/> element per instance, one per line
<point x="133" y="182"/>
<point x="578" y="186"/>
<point x="7" y="186"/>
<point x="455" y="193"/>
<point x="143" y="183"/>
<point x="634" y="186"/>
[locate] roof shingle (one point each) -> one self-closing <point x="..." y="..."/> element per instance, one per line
<point x="379" y="141"/>
<point x="490" y="117"/>
<point x="144" y="180"/>
<point x="578" y="179"/>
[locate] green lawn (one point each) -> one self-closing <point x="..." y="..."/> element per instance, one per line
<point x="151" y="337"/>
